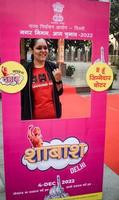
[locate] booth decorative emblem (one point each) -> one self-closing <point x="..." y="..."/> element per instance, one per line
<point x="58" y="9"/>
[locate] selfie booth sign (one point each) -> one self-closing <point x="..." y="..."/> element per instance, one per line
<point x="70" y="163"/>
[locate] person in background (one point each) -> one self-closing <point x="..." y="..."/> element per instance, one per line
<point x="40" y="96"/>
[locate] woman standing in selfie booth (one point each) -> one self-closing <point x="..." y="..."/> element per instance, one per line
<point x="40" y="97"/>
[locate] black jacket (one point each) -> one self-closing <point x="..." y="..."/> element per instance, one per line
<point x="27" y="97"/>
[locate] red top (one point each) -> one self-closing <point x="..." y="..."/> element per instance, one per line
<point x="42" y="95"/>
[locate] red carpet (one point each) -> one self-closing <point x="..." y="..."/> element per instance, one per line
<point x="112" y="133"/>
<point x="73" y="104"/>
<point x="76" y="105"/>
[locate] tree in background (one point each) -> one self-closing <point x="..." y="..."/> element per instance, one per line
<point x="114" y="20"/>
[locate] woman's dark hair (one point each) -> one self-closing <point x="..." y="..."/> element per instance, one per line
<point x="34" y="41"/>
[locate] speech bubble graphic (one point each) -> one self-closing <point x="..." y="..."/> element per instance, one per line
<point x="13" y="77"/>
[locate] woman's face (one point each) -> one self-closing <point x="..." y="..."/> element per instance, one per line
<point x="40" y="50"/>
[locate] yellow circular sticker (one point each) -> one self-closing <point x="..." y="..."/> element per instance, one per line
<point x="99" y="76"/>
<point x="13" y="77"/>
